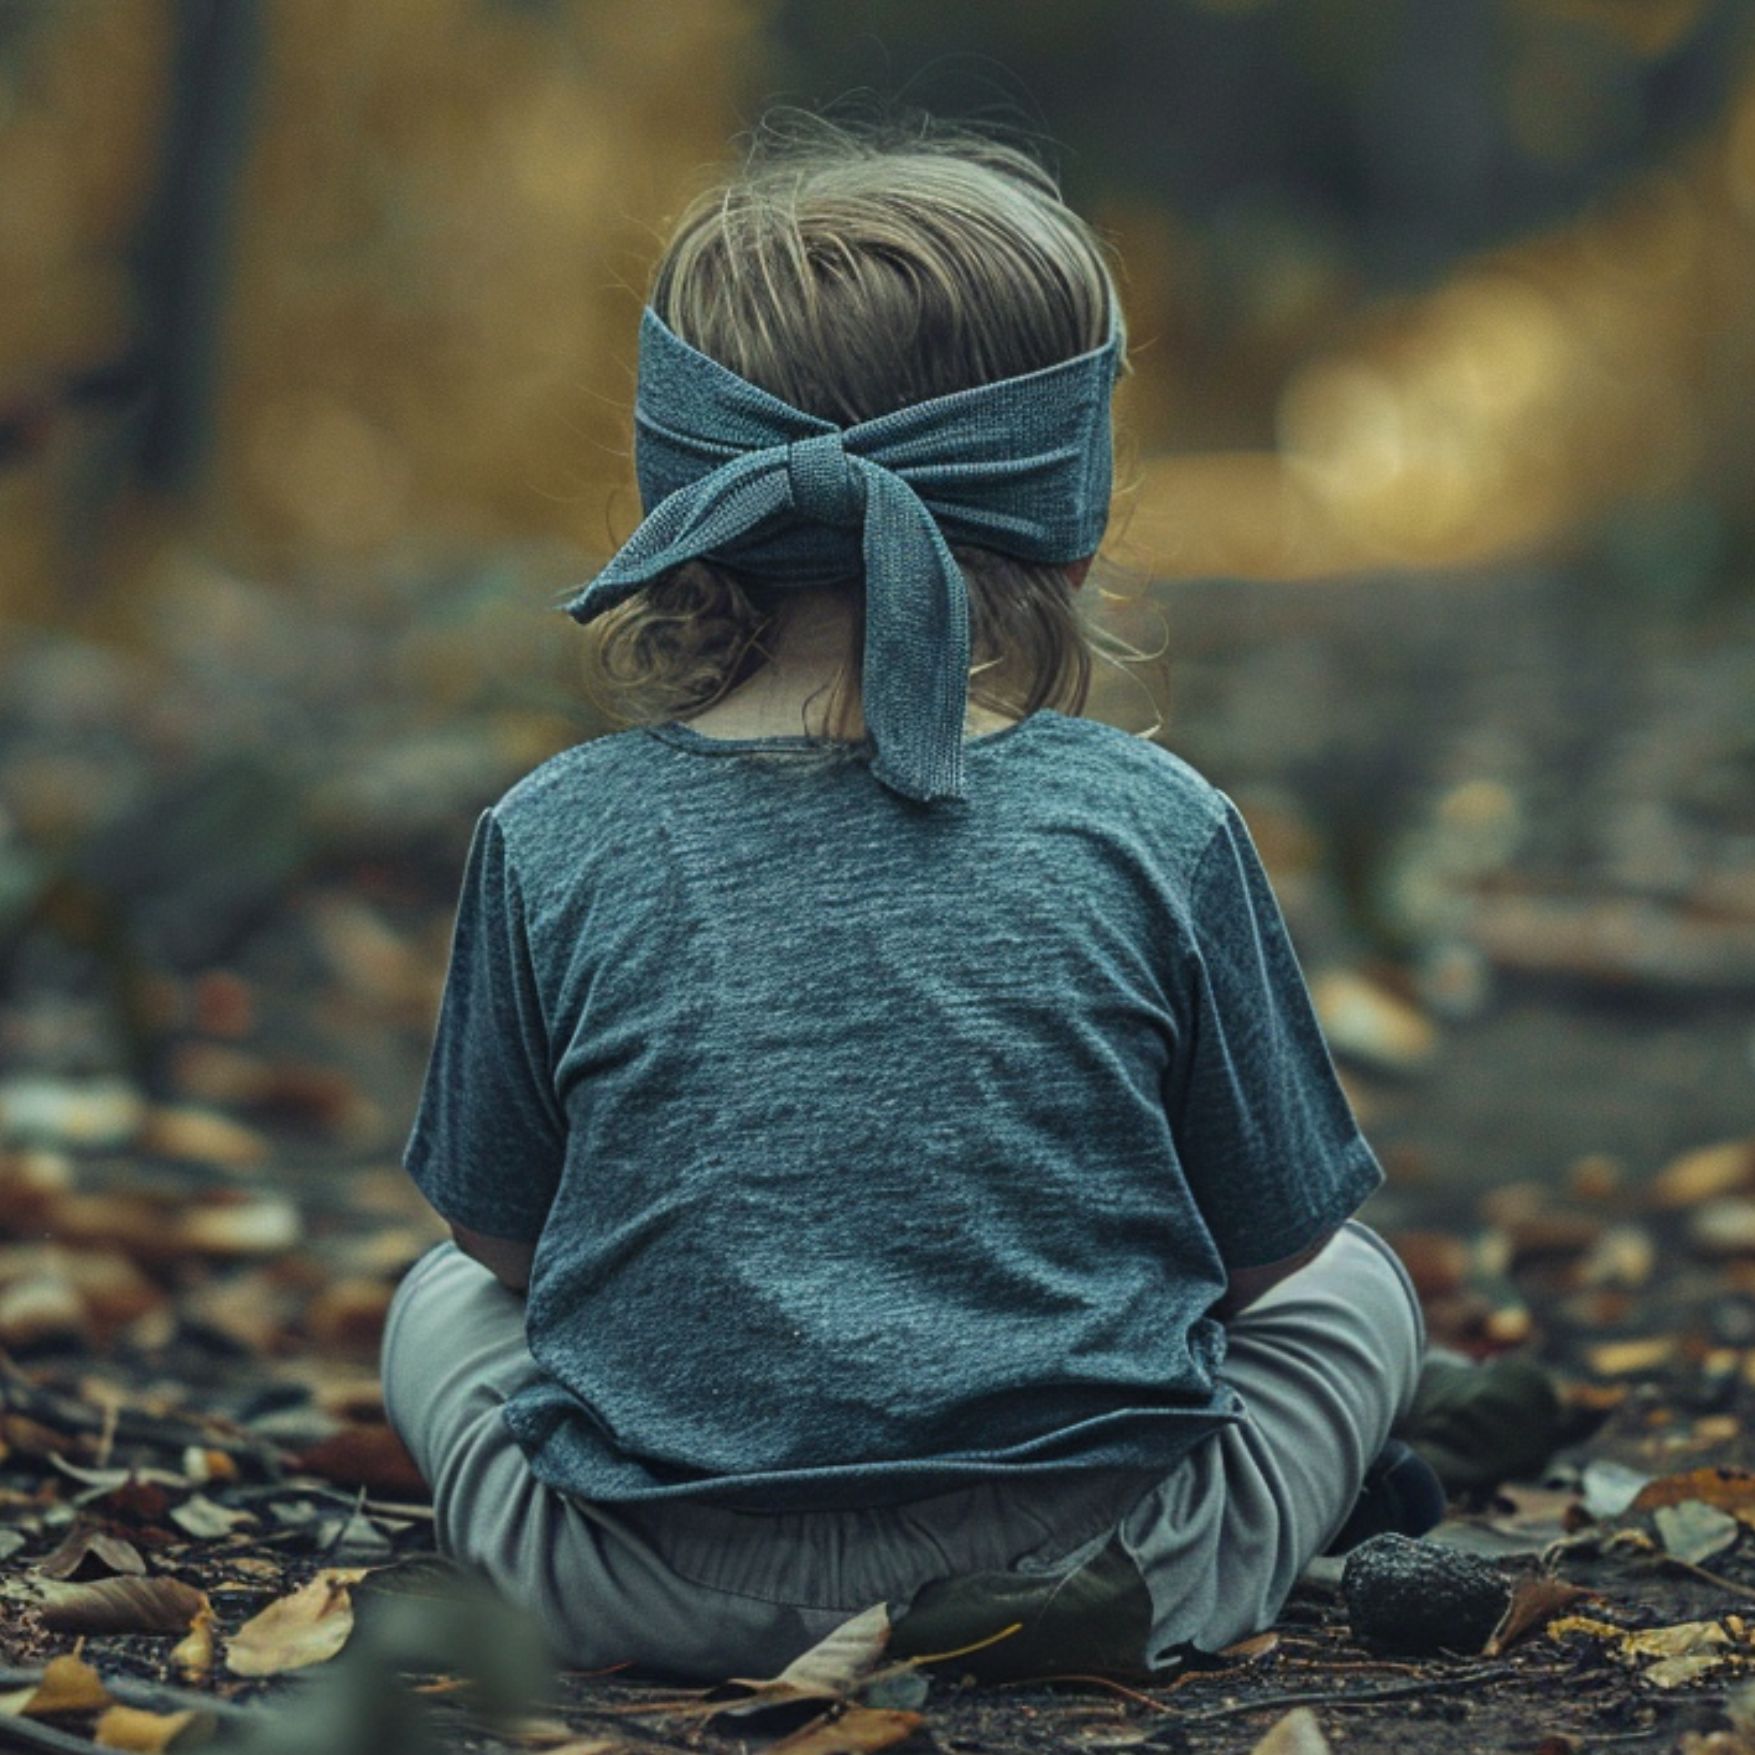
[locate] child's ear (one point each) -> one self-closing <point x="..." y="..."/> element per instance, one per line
<point x="1076" y="571"/>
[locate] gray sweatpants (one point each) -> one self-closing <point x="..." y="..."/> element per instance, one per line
<point x="1326" y="1364"/>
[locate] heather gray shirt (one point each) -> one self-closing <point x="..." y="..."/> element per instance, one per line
<point x="870" y="1148"/>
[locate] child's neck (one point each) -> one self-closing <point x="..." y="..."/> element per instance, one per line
<point x="793" y="692"/>
<point x="803" y="707"/>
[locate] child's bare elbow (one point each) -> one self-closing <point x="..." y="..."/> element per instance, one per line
<point x="1246" y="1285"/>
<point x="507" y="1259"/>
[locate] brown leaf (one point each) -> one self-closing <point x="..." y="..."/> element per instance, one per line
<point x="1729" y="1489"/>
<point x="151" y="1733"/>
<point x="1247" y="1651"/>
<point x="852" y="1732"/>
<point x="1536" y="1599"/>
<point x="308" y="1627"/>
<point x="122" y="1605"/>
<point x="372" y="1457"/>
<point x="68" y="1684"/>
<point x="91" y="1553"/>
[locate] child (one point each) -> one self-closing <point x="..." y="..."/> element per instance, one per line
<point x="894" y="1144"/>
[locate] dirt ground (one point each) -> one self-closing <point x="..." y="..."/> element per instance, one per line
<point x="1461" y="788"/>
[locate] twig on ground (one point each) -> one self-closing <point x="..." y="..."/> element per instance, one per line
<point x="1716" y="1579"/>
<point x="1099" y="1681"/>
<point x="1345" y="1696"/>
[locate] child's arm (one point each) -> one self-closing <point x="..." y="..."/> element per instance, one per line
<point x="507" y="1259"/>
<point x="1268" y="1141"/>
<point x="1248" y="1284"/>
<point x="489" y="1141"/>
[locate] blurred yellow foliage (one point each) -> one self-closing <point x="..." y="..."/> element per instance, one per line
<point x="448" y="211"/>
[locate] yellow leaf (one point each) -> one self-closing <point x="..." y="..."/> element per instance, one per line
<point x="150" y="1733"/>
<point x="1725" y="1168"/>
<point x="1626" y="1358"/>
<point x="1682" y="1639"/>
<point x="1677" y="1672"/>
<point x="193" y="1654"/>
<point x="1562" y="1625"/>
<point x="308" y="1627"/>
<point x="68" y="1684"/>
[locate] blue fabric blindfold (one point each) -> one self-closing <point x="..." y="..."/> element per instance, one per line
<point x="729" y="473"/>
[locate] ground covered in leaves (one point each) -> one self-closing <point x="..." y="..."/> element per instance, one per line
<point x="226" y="904"/>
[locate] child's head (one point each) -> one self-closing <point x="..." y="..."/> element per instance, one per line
<point x="849" y="272"/>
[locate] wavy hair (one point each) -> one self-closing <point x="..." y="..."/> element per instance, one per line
<point x="851" y="269"/>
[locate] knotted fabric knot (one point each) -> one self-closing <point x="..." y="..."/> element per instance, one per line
<point x="823" y="482"/>
<point x="731" y="474"/>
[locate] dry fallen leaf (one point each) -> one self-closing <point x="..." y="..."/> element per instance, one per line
<point x="1627" y="1358"/>
<point x="86" y="1553"/>
<point x="1298" y="1733"/>
<point x="193" y="1653"/>
<point x="1680" y="1639"/>
<point x="68" y="1684"/>
<point x="1678" y="1672"/>
<point x="372" y="1457"/>
<point x="1727" y="1168"/>
<point x="308" y="1627"/>
<point x="1585" y="1624"/>
<point x="858" y="1729"/>
<point x="121" y="1605"/>
<point x="151" y="1733"/>
<point x="207" y="1520"/>
<point x="1535" y="1599"/>
<point x="1731" y="1490"/>
<point x="201" y="1136"/>
<point x="1694" y="1531"/>
<point x="238" y="1229"/>
<point x="829" y="1670"/>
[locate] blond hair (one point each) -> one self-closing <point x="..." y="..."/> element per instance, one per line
<point x="851" y="270"/>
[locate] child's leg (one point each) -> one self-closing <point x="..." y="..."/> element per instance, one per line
<point x="1326" y="1364"/>
<point x="454" y="1353"/>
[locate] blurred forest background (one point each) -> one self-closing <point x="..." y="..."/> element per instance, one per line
<point x="317" y="329"/>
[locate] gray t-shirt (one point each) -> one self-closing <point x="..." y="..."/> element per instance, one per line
<point x="872" y="1148"/>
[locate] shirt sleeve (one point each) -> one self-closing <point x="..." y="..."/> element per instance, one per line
<point x="1268" y="1141"/>
<point x="489" y="1136"/>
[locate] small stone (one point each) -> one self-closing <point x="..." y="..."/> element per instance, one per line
<point x="1413" y="1596"/>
